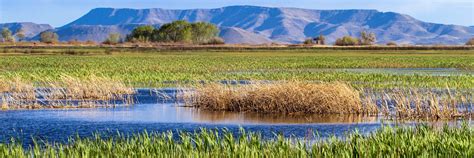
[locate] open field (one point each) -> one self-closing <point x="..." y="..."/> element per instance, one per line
<point x="417" y="141"/>
<point x="170" y="68"/>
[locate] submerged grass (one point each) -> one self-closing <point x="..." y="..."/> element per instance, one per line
<point x="419" y="141"/>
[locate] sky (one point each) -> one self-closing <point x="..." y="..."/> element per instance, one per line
<point x="60" y="12"/>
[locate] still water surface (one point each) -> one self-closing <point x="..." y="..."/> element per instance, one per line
<point x="155" y="113"/>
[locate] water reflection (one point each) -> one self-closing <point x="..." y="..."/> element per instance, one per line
<point x="177" y="114"/>
<point x="256" y="118"/>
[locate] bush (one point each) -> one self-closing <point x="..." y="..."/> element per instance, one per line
<point x="215" y="41"/>
<point x="308" y="41"/>
<point x="347" y="41"/>
<point x="470" y="42"/>
<point x="89" y="42"/>
<point x="49" y="37"/>
<point x="114" y="38"/>
<point x="392" y="43"/>
<point x="367" y="38"/>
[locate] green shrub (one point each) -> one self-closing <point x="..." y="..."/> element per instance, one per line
<point x="347" y="41"/>
<point x="49" y="37"/>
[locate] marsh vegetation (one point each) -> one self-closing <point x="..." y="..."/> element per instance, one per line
<point x="283" y="82"/>
<point x="66" y="92"/>
<point x="388" y="141"/>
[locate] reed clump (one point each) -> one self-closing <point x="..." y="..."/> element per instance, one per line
<point x="94" y="88"/>
<point x="295" y="97"/>
<point x="67" y="92"/>
<point x="281" y="97"/>
<point x="413" y="103"/>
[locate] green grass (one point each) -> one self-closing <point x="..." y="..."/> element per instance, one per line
<point x="154" y="68"/>
<point x="420" y="141"/>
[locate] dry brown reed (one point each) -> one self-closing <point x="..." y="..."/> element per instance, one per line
<point x="284" y="97"/>
<point x="68" y="92"/>
<point x="332" y="98"/>
<point x="412" y="103"/>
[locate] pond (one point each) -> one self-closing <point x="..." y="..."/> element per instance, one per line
<point x="154" y="112"/>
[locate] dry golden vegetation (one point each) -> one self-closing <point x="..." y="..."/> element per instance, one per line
<point x="414" y="103"/>
<point x="284" y="97"/>
<point x="331" y="98"/>
<point x="67" y="92"/>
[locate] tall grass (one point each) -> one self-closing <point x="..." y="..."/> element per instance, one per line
<point x="281" y="97"/>
<point x="420" y="141"/>
<point x="295" y="97"/>
<point x="414" y="103"/>
<point x="93" y="91"/>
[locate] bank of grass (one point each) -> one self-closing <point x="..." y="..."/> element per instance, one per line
<point x="168" y="68"/>
<point x="419" y="141"/>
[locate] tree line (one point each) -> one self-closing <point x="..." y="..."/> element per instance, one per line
<point x="177" y="32"/>
<point x="366" y="38"/>
<point x="7" y="36"/>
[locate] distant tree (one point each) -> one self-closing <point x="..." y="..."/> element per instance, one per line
<point x="203" y="32"/>
<point x="177" y="31"/>
<point x="308" y="41"/>
<point x="20" y="33"/>
<point x="347" y="41"/>
<point x="7" y="35"/>
<point x="320" y="40"/>
<point x="141" y="34"/>
<point x="367" y="38"/>
<point x="49" y="37"/>
<point x="470" y="42"/>
<point x="114" y="38"/>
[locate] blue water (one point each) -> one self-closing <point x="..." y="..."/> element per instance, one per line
<point x="59" y="125"/>
<point x="155" y="112"/>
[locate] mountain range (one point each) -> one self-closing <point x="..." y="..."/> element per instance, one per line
<point x="256" y="25"/>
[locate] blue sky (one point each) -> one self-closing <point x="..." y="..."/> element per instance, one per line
<point x="61" y="12"/>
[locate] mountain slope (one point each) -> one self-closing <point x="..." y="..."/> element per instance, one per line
<point x="234" y="35"/>
<point x="284" y="25"/>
